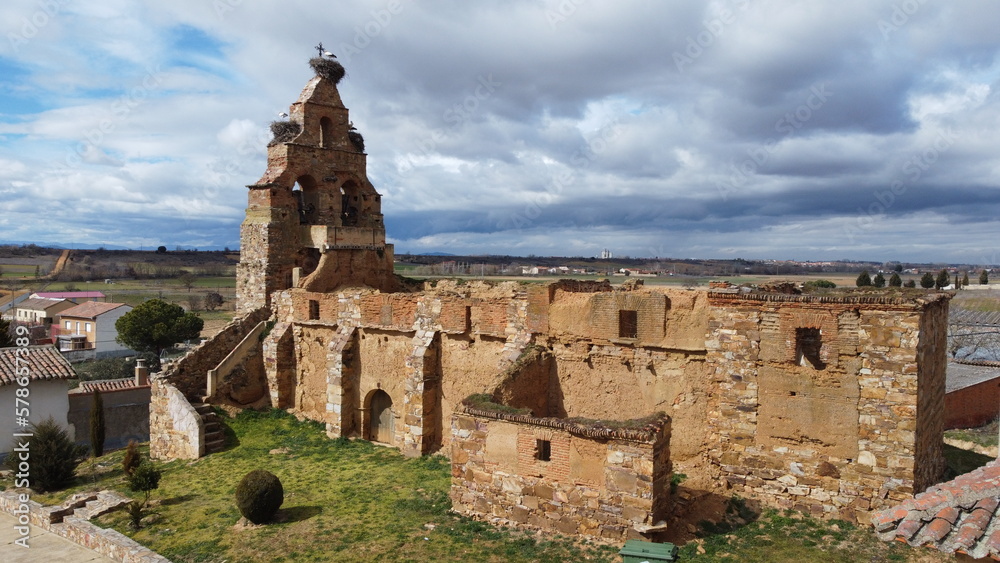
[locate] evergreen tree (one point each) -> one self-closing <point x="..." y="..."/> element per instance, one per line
<point x="97" y="425"/>
<point x="895" y="280"/>
<point x="984" y="278"/>
<point x="965" y="279"/>
<point x="927" y="280"/>
<point x="864" y="280"/>
<point x="943" y="279"/>
<point x="879" y="280"/>
<point x="6" y="334"/>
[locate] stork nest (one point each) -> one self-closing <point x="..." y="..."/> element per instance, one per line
<point x="284" y="131"/>
<point x="327" y="68"/>
<point x="357" y="140"/>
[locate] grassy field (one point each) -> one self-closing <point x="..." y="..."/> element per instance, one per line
<point x="354" y="501"/>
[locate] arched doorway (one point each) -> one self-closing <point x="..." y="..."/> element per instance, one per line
<point x="380" y="428"/>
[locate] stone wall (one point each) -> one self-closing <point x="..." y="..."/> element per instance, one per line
<point x="190" y="373"/>
<point x="815" y="400"/>
<point x="64" y="522"/>
<point x="175" y="428"/>
<point x="595" y="482"/>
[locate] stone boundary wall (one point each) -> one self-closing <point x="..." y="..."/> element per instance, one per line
<point x="59" y="521"/>
<point x="598" y="482"/>
<point x="238" y="355"/>
<point x="175" y="428"/>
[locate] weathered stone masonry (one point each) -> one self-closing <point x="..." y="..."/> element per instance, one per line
<point x="830" y="405"/>
<point x="592" y="481"/>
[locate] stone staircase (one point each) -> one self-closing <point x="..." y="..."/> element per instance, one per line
<point x="86" y="506"/>
<point x="215" y="438"/>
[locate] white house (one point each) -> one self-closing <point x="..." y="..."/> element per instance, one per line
<point x="40" y="310"/>
<point x="90" y="326"/>
<point x="47" y="390"/>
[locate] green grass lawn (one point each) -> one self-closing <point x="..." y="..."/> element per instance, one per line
<point x="354" y="501"/>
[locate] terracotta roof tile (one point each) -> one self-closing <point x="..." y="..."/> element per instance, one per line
<point x="90" y="309"/>
<point x="958" y="515"/>
<point x="43" y="363"/>
<point x="103" y="385"/>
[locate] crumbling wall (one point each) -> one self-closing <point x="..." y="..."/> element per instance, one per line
<point x="175" y="428"/>
<point x="469" y="365"/>
<point x="592" y="482"/>
<point x="189" y="374"/>
<point x="814" y="400"/>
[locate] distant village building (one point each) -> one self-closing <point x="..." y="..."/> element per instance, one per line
<point x="88" y="330"/>
<point x="40" y="310"/>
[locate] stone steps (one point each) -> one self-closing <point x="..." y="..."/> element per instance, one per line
<point x="215" y="438"/>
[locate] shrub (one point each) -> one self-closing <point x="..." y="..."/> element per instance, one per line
<point x="54" y="457"/>
<point x="864" y="279"/>
<point x="132" y="457"/>
<point x="259" y="495"/>
<point x="878" y="280"/>
<point x="144" y="479"/>
<point x="895" y="280"/>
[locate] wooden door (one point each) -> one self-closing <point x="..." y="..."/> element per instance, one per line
<point x="381" y="417"/>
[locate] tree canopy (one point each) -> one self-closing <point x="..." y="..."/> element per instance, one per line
<point x="927" y="280"/>
<point x="6" y="334"/>
<point x="864" y="279"/>
<point x="157" y="325"/>
<point x="879" y="280"/>
<point x="895" y="280"/>
<point x="984" y="278"/>
<point x="943" y="279"/>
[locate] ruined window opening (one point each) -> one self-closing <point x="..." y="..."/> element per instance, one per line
<point x="628" y="324"/>
<point x="325" y="132"/>
<point x="808" y="342"/>
<point x="468" y="318"/>
<point x="543" y="450"/>
<point x="313" y="310"/>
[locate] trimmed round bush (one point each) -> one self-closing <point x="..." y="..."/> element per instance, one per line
<point x="259" y="496"/>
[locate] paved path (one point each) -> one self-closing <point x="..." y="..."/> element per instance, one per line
<point x="45" y="547"/>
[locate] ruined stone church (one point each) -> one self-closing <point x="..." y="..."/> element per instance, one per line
<point x="562" y="406"/>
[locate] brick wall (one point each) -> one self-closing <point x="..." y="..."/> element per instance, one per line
<point x="597" y="482"/>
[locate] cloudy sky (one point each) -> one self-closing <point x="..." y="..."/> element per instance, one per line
<point x="862" y="129"/>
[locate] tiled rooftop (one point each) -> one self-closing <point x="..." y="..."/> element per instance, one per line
<point x="956" y="516"/>
<point x="104" y="385"/>
<point x="38" y="303"/>
<point x="90" y="309"/>
<point x="44" y="363"/>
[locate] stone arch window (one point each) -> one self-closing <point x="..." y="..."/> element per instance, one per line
<point x="326" y="132"/>
<point x="308" y="199"/>
<point x="350" y="203"/>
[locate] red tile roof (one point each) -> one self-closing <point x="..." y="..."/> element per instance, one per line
<point x="104" y="385"/>
<point x="957" y="516"/>
<point x="90" y="309"/>
<point x="43" y="362"/>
